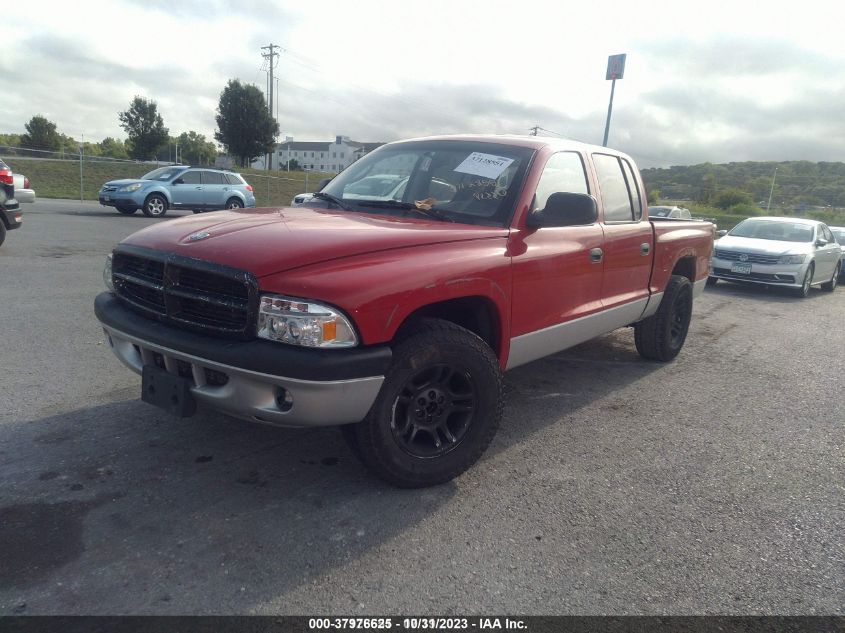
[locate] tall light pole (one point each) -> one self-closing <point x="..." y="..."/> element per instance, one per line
<point x="615" y="70"/>
<point x="772" y="190"/>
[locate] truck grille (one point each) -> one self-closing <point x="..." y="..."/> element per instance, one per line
<point x="186" y="292"/>
<point x="736" y="256"/>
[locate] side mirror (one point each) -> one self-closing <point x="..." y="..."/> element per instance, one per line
<point x="721" y="233"/>
<point x="821" y="242"/>
<point x="323" y="183"/>
<point x="178" y="181"/>
<point x="564" y="209"/>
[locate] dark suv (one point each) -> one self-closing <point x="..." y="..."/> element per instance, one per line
<point x="10" y="213"/>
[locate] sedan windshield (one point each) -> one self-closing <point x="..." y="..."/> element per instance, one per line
<point x="162" y="173"/>
<point x="450" y="180"/>
<point x="774" y="230"/>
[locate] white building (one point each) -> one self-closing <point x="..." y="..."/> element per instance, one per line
<point x="321" y="156"/>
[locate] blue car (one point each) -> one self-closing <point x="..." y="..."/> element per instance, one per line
<point x="839" y="234"/>
<point x="178" y="187"/>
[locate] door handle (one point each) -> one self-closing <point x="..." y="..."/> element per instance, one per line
<point x="595" y="255"/>
<point x="645" y="248"/>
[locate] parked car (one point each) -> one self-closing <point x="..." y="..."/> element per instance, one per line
<point x="10" y="213"/>
<point x="839" y="234"/>
<point x="178" y="187"/>
<point x="791" y="252"/>
<point x="680" y="213"/>
<point x="23" y="192"/>
<point x="397" y="318"/>
<point x="301" y="199"/>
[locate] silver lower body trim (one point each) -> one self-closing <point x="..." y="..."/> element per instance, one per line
<point x="254" y="396"/>
<point x="534" y="345"/>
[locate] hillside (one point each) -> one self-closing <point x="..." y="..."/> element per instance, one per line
<point x="797" y="183"/>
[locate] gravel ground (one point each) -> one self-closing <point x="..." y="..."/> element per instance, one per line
<point x="710" y="485"/>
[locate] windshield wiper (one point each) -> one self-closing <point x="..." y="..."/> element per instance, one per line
<point x="408" y="206"/>
<point x="327" y="196"/>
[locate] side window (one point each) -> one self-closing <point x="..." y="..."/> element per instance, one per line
<point x="634" y="189"/>
<point x="213" y="178"/>
<point x="233" y="179"/>
<point x="191" y="178"/>
<point x="614" y="190"/>
<point x="564" y="171"/>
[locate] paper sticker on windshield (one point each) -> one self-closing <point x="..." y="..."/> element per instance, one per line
<point x="485" y="165"/>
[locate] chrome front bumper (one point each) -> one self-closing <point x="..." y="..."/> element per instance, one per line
<point x="251" y="395"/>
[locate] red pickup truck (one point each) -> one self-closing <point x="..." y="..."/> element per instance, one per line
<point x="393" y="301"/>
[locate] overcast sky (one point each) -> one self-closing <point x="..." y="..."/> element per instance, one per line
<point x="704" y="81"/>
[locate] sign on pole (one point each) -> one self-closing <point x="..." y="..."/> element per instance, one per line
<point x="615" y="70"/>
<point x="615" y="66"/>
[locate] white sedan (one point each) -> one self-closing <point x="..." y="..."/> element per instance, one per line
<point x="791" y="252"/>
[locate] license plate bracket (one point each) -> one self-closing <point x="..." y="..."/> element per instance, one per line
<point x="743" y="269"/>
<point x="168" y="392"/>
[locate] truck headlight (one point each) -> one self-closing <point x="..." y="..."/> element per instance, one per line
<point x="107" y="278"/>
<point x="300" y="322"/>
<point x="134" y="187"/>
<point x="791" y="259"/>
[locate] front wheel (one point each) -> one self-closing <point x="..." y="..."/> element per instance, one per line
<point x="662" y="335"/>
<point x="155" y="206"/>
<point x="804" y="290"/>
<point x="437" y="411"/>
<point x="830" y="286"/>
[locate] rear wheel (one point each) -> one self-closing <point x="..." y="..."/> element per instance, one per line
<point x="234" y="203"/>
<point x="155" y="206"/>
<point x="662" y="335"/>
<point x="126" y="210"/>
<point x="2" y="233"/>
<point x="437" y="411"/>
<point x="830" y="286"/>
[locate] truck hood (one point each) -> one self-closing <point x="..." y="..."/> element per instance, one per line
<point x="762" y="247"/>
<point x="268" y="241"/>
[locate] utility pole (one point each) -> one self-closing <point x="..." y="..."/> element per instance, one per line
<point x="81" y="160"/>
<point x="534" y="130"/>
<point x="772" y="190"/>
<point x="270" y="55"/>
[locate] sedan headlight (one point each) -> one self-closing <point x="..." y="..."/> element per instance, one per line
<point x="107" y="278"/>
<point x="299" y="322"/>
<point x="133" y="187"/>
<point x="791" y="259"/>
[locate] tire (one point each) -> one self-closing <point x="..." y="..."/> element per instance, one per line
<point x="234" y="203"/>
<point x="195" y="211"/>
<point x="437" y="411"/>
<point x="804" y="291"/>
<point x="662" y="335"/>
<point x="712" y="281"/>
<point x="126" y="210"/>
<point x="155" y="206"/>
<point x="830" y="286"/>
<point x="2" y="234"/>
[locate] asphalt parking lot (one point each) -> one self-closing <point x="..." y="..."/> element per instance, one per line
<point x="715" y="484"/>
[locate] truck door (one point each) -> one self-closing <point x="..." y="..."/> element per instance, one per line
<point x="557" y="276"/>
<point x="628" y="239"/>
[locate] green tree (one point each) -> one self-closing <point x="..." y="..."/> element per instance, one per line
<point x="727" y="198"/>
<point x="41" y="134"/>
<point x="245" y="127"/>
<point x="113" y="148"/>
<point x="195" y="149"/>
<point x="652" y="196"/>
<point x="145" y="128"/>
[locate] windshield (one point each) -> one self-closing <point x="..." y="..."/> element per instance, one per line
<point x="659" y="212"/>
<point x="470" y="182"/>
<point x="163" y="173"/>
<point x="774" y="230"/>
<point x="839" y="234"/>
